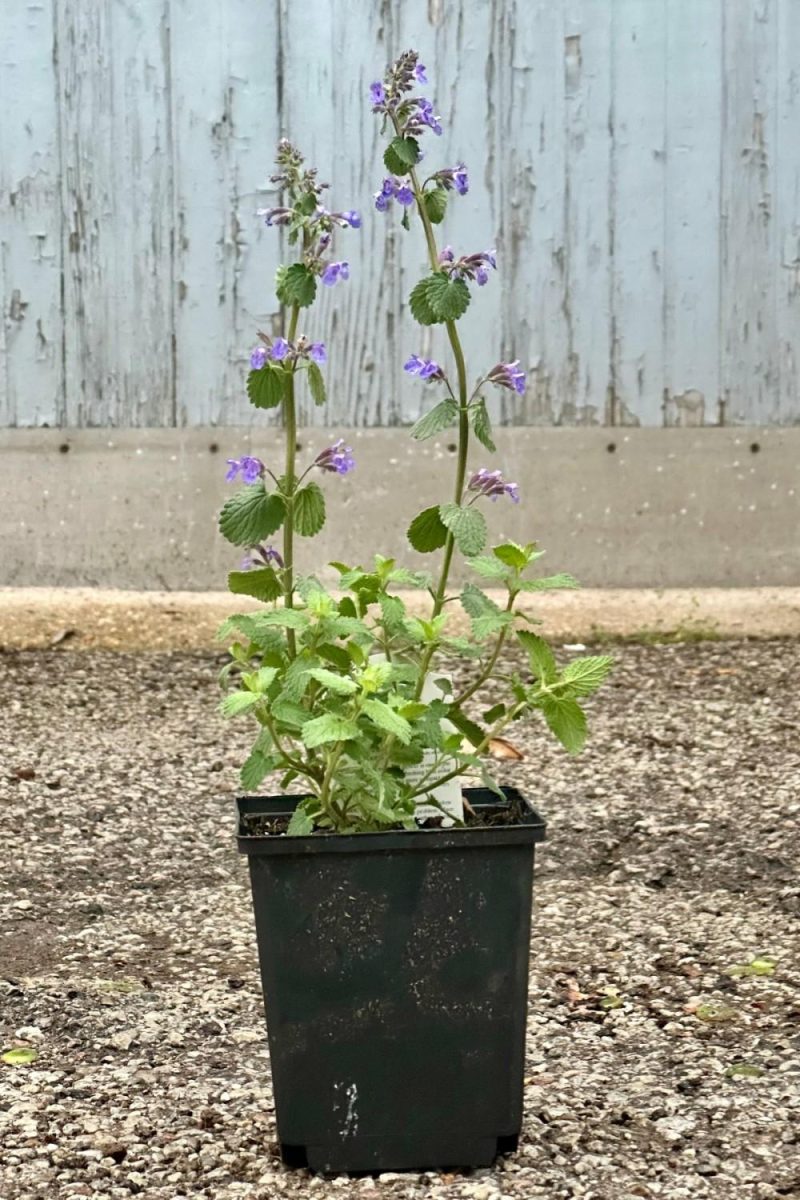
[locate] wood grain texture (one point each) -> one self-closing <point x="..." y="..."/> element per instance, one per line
<point x="636" y="163"/>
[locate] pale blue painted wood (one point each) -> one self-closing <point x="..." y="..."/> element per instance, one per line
<point x="635" y="162"/>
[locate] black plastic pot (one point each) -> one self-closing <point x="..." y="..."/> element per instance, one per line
<point x="395" y="973"/>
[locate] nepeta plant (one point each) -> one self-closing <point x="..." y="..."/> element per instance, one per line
<point x="340" y="685"/>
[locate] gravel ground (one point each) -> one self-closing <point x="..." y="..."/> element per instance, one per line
<point x="128" y="962"/>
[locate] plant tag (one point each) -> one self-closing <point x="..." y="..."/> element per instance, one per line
<point x="448" y="802"/>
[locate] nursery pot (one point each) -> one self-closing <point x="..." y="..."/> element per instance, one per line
<point x="395" y="975"/>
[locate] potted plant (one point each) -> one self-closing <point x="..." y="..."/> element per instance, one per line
<point x="392" y="907"/>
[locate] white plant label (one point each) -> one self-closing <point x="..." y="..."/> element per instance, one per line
<point x="449" y="803"/>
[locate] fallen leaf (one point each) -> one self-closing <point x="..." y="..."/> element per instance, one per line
<point x="500" y="748"/>
<point x="20" y="1056"/>
<point x="714" y="1012"/>
<point x="23" y="773"/>
<point x="756" y="966"/>
<point x="743" y="1071"/>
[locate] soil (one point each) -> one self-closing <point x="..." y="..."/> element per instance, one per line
<point x="664" y="1023"/>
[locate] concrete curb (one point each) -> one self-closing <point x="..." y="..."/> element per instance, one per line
<point x="90" y="619"/>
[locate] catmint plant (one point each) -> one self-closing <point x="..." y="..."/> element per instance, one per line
<point x="346" y="687"/>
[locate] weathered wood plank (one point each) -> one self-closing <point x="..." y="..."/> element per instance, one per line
<point x="788" y="210"/>
<point x="637" y="218"/>
<point x="225" y="128"/>
<point x="112" y="80"/>
<point x="694" y="88"/>
<point x="750" y="253"/>
<point x="30" y="237"/>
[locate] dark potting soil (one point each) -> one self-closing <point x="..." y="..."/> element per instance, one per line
<point x="262" y="825"/>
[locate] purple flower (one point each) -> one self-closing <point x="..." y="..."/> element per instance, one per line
<point x="279" y="349"/>
<point x="258" y="357"/>
<point x="491" y="483"/>
<point x="388" y="188"/>
<point x="419" y="73"/>
<point x="324" y="242"/>
<point x="381" y="201"/>
<point x="461" y="179"/>
<point x="426" y="368"/>
<point x="481" y="276"/>
<point x="266" y="555"/>
<point x="446" y="255"/>
<point x="404" y="195"/>
<point x="377" y="93"/>
<point x="275" y="216"/>
<point x="317" y="352"/>
<point x="352" y="218"/>
<point x="426" y="116"/>
<point x="508" y="375"/>
<point x="334" y="272"/>
<point x="251" y="469"/>
<point x="337" y="458"/>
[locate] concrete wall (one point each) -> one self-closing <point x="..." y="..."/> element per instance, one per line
<point x="621" y="508"/>
<point x="636" y="162"/>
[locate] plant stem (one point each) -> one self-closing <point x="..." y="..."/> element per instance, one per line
<point x="486" y="673"/>
<point x="460" y="770"/>
<point x="290" y="428"/>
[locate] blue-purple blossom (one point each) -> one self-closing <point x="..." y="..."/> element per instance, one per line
<point x="352" y="218"/>
<point x="275" y="216"/>
<point x="266" y="555"/>
<point x="337" y="458"/>
<point x="426" y="116"/>
<point x="279" y="349"/>
<point x="492" y="484"/>
<point x="426" y="368"/>
<point x="446" y="255"/>
<point x="251" y="469"/>
<point x="377" y="93"/>
<point x="419" y="73"/>
<point x="334" y="272"/>
<point x="481" y="276"/>
<point x="258" y="357"/>
<point x="404" y="195"/>
<point x="508" y="375"/>
<point x="461" y="179"/>
<point x="317" y="352"/>
<point x="381" y="201"/>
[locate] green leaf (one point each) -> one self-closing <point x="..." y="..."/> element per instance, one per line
<point x="435" y="204"/>
<point x="287" y="618"/>
<point x="494" y="713"/>
<point x="401" y="154"/>
<point x="584" y="675"/>
<point x="316" y="383"/>
<point x="481" y="425"/>
<point x="20" y="1056"/>
<point x="441" y="417"/>
<point x="487" y="617"/>
<point x="266" y="388"/>
<point x="567" y="720"/>
<point x="549" y="583"/>
<point x="393" y="612"/>
<point x="239" y="702"/>
<point x="260" y="680"/>
<point x="301" y="823"/>
<point x="387" y="719"/>
<point x="427" y="532"/>
<point x="420" y="306"/>
<point x="744" y="1071"/>
<point x="490" y="568"/>
<point x="309" y="510"/>
<point x="756" y="966"/>
<point x="341" y="684"/>
<point x="254" y="768"/>
<point x="447" y="297"/>
<point x="251" y="515"/>
<point x="512" y="555"/>
<point x="262" y="583"/>
<point x="306" y="205"/>
<point x="540" y="656"/>
<point x="330" y="727"/>
<point x="467" y="525"/>
<point x="296" y="284"/>
<point x="286" y="712"/>
<point x="472" y="732"/>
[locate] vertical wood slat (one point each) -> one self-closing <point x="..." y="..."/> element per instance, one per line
<point x="749" y="264"/>
<point x="787" y="201"/>
<point x="116" y="192"/>
<point x="225" y="127"/>
<point x="694" y="88"/>
<point x="31" y="382"/>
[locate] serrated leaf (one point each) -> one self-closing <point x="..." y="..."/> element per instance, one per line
<point x="341" y="684"/>
<point x="266" y="388"/>
<point x="419" y="304"/>
<point x="567" y="721"/>
<point x="301" y="824"/>
<point x="494" y="713"/>
<point x="286" y="712"/>
<point x="393" y="612"/>
<point x="476" y="603"/>
<point x="309" y="510"/>
<point x="254" y="768"/>
<point x="239" y="702"/>
<point x="250" y="516"/>
<point x="20" y="1056"/>
<point x="540" y="656"/>
<point x="511" y="555"/>
<point x="447" y="296"/>
<point x="435" y="204"/>
<point x="467" y="525"/>
<point x="261" y="583"/>
<point x="549" y="583"/>
<point x="441" y="417"/>
<point x="330" y="727"/>
<point x="387" y="719"/>
<point x="286" y="618"/>
<point x="481" y="425"/>
<point x="472" y="732"/>
<point x="260" y="680"/>
<point x="490" y="568"/>
<point x="401" y="154"/>
<point x="316" y="383"/>
<point x="427" y="532"/>
<point x="584" y="675"/>
<point x="296" y="284"/>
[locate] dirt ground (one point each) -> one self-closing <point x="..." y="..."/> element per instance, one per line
<point x="661" y="1062"/>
